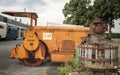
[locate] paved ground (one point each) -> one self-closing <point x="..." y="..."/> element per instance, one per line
<point x="14" y="67"/>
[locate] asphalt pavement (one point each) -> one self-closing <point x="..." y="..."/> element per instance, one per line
<point x="15" y="67"/>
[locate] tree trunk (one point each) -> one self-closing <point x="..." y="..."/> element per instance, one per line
<point x="110" y="27"/>
<point x="110" y="32"/>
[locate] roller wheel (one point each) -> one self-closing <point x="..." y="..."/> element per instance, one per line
<point x="31" y="61"/>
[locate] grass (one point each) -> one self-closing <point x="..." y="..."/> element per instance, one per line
<point x="119" y="51"/>
<point x="116" y="41"/>
<point x="44" y="73"/>
<point x="119" y="54"/>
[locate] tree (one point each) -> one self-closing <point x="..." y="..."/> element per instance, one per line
<point x="75" y="12"/>
<point x="108" y="10"/>
<point x="80" y="12"/>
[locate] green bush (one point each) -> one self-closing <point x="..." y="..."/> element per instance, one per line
<point x="114" y="35"/>
<point x="62" y="70"/>
<point x="118" y="50"/>
<point x="69" y="66"/>
<point x="76" y="62"/>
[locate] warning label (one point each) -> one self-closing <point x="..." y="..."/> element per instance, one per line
<point x="47" y="36"/>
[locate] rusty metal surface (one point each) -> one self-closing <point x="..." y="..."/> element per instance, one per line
<point x="99" y="60"/>
<point x="96" y="52"/>
<point x="68" y="45"/>
<point x="21" y="14"/>
<point x="97" y="26"/>
<point x="99" y="48"/>
<point x="99" y="69"/>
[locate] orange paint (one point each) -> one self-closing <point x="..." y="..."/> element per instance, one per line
<point x="56" y="42"/>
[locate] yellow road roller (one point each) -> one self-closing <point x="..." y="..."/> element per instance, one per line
<point x="56" y="43"/>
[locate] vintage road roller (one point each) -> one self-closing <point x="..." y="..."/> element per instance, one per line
<point x="40" y="43"/>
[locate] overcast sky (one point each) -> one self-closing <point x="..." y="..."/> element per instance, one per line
<point x="47" y="10"/>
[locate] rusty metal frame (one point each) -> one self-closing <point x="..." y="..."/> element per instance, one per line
<point x="94" y="48"/>
<point x="99" y="60"/>
<point x="31" y="15"/>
